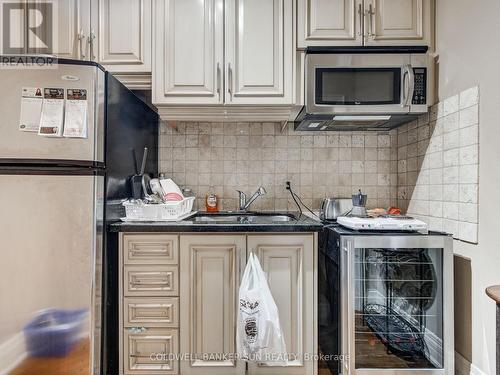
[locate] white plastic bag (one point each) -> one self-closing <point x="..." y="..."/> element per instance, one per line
<point x="259" y="336"/>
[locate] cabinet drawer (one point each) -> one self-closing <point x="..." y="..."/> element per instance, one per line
<point x="151" y="281"/>
<point x="150" y="351"/>
<point x="159" y="312"/>
<point x="150" y="249"/>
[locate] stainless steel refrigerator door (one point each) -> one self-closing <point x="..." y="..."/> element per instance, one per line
<point x="51" y="234"/>
<point x="17" y="144"/>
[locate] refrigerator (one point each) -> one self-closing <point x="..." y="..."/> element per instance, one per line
<point x="57" y="196"/>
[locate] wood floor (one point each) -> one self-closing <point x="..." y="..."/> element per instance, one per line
<point x="75" y="363"/>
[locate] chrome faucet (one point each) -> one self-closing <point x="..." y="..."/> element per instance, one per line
<point x="244" y="203"/>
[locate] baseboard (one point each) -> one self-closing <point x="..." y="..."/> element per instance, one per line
<point x="464" y="367"/>
<point x="12" y="353"/>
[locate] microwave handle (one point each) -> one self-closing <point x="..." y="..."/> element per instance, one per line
<point x="408" y="89"/>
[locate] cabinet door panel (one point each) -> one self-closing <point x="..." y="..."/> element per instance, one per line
<point x="70" y="21"/>
<point x="329" y="22"/>
<point x="259" y="51"/>
<point x="149" y="352"/>
<point x="125" y="35"/>
<point x="150" y="249"/>
<point x="188" y="51"/>
<point x="210" y="273"/>
<point x="151" y="312"/>
<point x="150" y="281"/>
<point x="288" y="262"/>
<point x="398" y="22"/>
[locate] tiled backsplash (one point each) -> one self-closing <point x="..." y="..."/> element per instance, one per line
<point x="428" y="167"/>
<point x="244" y="156"/>
<point x="438" y="166"/>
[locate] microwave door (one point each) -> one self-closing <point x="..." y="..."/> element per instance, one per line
<point x="358" y="84"/>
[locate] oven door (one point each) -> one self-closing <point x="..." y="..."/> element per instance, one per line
<point x="359" y="83"/>
<point x="397" y="305"/>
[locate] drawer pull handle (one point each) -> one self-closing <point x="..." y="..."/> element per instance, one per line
<point x="159" y="282"/>
<point x="137" y="329"/>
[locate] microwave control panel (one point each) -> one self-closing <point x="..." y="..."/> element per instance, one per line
<point x="420" y="93"/>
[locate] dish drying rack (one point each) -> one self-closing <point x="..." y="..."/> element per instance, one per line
<point x="168" y="211"/>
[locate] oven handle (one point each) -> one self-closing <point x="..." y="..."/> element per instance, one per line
<point x="408" y="89"/>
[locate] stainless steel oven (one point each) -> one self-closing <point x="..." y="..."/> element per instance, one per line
<point x="366" y="90"/>
<point x="397" y="304"/>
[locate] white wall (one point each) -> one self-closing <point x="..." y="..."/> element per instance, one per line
<point x="469" y="55"/>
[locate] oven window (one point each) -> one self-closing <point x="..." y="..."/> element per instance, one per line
<point x="358" y="86"/>
<point x="398" y="308"/>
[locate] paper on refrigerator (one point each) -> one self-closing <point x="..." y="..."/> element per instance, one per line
<point x="51" y="122"/>
<point x="31" y="109"/>
<point x="75" y="121"/>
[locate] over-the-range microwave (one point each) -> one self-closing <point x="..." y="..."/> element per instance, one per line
<point x="365" y="90"/>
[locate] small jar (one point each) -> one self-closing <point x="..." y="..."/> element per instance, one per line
<point x="212" y="201"/>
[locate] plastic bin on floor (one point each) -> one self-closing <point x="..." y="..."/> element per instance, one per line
<point x="54" y="332"/>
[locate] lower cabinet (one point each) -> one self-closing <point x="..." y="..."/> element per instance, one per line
<point x="198" y="318"/>
<point x="210" y="269"/>
<point x="288" y="261"/>
<point x="149" y="304"/>
<point x="159" y="312"/>
<point x="150" y="351"/>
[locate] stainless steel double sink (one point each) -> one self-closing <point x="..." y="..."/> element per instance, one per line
<point x="243" y="218"/>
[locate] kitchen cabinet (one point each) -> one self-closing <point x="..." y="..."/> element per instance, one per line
<point x="189" y="52"/>
<point x="288" y="261"/>
<point x="179" y="294"/>
<point x="329" y="22"/>
<point x="124" y="39"/>
<point x="398" y="22"/>
<point x="218" y="261"/>
<point x="70" y="32"/>
<point x="142" y="280"/>
<point x="225" y="53"/>
<point x="149" y="304"/>
<point x="211" y="267"/>
<point x="160" y="312"/>
<point x="259" y="52"/>
<point x="114" y="33"/>
<point x="150" y="351"/>
<point x="365" y="22"/>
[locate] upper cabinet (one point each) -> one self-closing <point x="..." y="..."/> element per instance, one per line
<point x="398" y="22"/>
<point x="365" y="22"/>
<point x="259" y="52"/>
<point x="73" y="29"/>
<point x="124" y="33"/>
<point x="330" y="22"/>
<point x="114" y="33"/>
<point x="68" y="37"/>
<point x="223" y="52"/>
<point x="189" y="52"/>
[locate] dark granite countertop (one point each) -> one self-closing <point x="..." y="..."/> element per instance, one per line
<point x="298" y="223"/>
